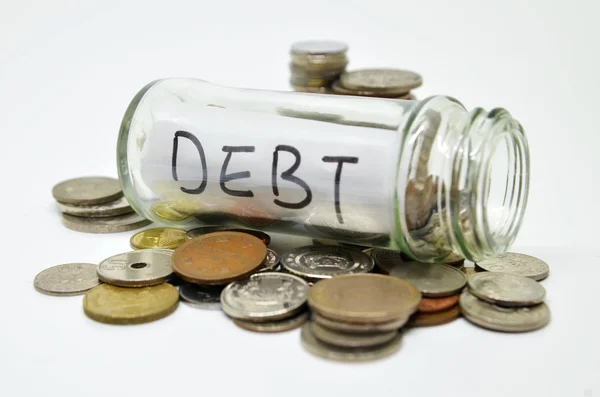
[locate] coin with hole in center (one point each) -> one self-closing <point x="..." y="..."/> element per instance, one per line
<point x="517" y="264"/>
<point x="137" y="268"/>
<point x="68" y="279"/>
<point x="506" y="289"/>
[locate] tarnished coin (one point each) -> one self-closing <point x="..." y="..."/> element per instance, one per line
<point x="517" y="264"/>
<point x="325" y="261"/>
<point x="318" y="47"/>
<point x="506" y="289"/>
<point x="346" y="339"/>
<point x="271" y="261"/>
<point x="383" y="80"/>
<point x="325" y="350"/>
<point x="286" y="324"/>
<point x="87" y="190"/>
<point x="507" y="319"/>
<point x="357" y="328"/>
<point x="421" y="319"/>
<point x="67" y="279"/>
<point x="160" y="237"/>
<point x="201" y="296"/>
<point x="113" y="208"/>
<point x="199" y="231"/>
<point x="117" y="305"/>
<point x="264" y="297"/>
<point x="432" y="279"/>
<point x="113" y="224"/>
<point x="364" y="298"/>
<point x="137" y="268"/>
<point x="219" y="258"/>
<point x="428" y="305"/>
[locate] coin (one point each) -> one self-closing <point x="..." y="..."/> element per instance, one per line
<point x="339" y="89"/>
<point x="199" y="231"/>
<point x="437" y="304"/>
<point x="364" y="298"/>
<point x="517" y="264"/>
<point x="318" y="348"/>
<point x="506" y="289"/>
<point x="323" y="241"/>
<point x="173" y="210"/>
<point x="271" y="261"/>
<point x="113" y="224"/>
<point x="67" y="279"/>
<point x="344" y="326"/>
<point x="507" y="319"/>
<point x="468" y="271"/>
<point x="432" y="279"/>
<point x="201" y="296"/>
<point x="318" y="47"/>
<point x="346" y="339"/>
<point x="219" y="258"/>
<point x="117" y="305"/>
<point x="312" y="90"/>
<point x="87" y="190"/>
<point x="137" y="268"/>
<point x="286" y="324"/>
<point x="264" y="297"/>
<point x="383" y="80"/>
<point x="325" y="261"/>
<point x="421" y="319"/>
<point x="112" y="208"/>
<point x="160" y="237"/>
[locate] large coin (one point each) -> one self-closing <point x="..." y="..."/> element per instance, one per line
<point x="286" y="324"/>
<point x="116" y="305"/>
<point x="507" y="319"/>
<point x="358" y="328"/>
<point x="264" y="297"/>
<point x="383" y="80"/>
<point x="319" y="47"/>
<point x="432" y="279"/>
<point x="517" y="264"/>
<point x="346" y="339"/>
<point x="421" y="319"/>
<point x="87" y="190"/>
<point x="199" y="231"/>
<point x="506" y="289"/>
<point x="219" y="258"/>
<point x="137" y="268"/>
<point x="67" y="279"/>
<point x="113" y="208"/>
<point x="271" y="261"/>
<point x="325" y="261"/>
<point x="364" y="298"/>
<point x="160" y="237"/>
<point x="201" y="296"/>
<point x="113" y="224"/>
<point x="325" y="350"/>
<point x="429" y="305"/>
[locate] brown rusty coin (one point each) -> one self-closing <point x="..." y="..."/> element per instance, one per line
<point x="219" y="258"/>
<point x="199" y="231"/>
<point x="435" y="318"/>
<point x="429" y="305"/>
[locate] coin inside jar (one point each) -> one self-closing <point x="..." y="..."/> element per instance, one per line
<point x="325" y="261"/>
<point x="160" y="237"/>
<point x="137" y="268"/>
<point x="506" y="289"/>
<point x="199" y="231"/>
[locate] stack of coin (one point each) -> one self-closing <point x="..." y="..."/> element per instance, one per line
<point x="356" y="317"/>
<point x="315" y="65"/>
<point x="378" y="83"/>
<point x="517" y="264"/>
<point x="95" y="205"/>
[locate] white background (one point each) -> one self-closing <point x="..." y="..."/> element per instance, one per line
<point x="67" y="72"/>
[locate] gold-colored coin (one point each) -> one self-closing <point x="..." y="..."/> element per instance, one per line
<point x="160" y="237"/>
<point x="117" y="305"/>
<point x="173" y="210"/>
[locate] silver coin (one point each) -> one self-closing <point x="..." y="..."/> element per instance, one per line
<point x="113" y="208"/>
<point x="357" y="327"/>
<point x="507" y="319"/>
<point x="265" y="297"/>
<point x="517" y="264"/>
<point x="432" y="279"/>
<point x="385" y="80"/>
<point x="319" y="47"/>
<point x="67" y="279"/>
<point x="326" y="261"/>
<point x="286" y="324"/>
<point x="203" y="297"/>
<point x="137" y="268"/>
<point x="87" y="190"/>
<point x="347" y="339"/>
<point x="506" y="289"/>
<point x="113" y="224"/>
<point x="271" y="261"/>
<point x="331" y="352"/>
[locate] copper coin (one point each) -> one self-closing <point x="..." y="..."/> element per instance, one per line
<point x="428" y="305"/>
<point x="199" y="231"/>
<point x="435" y="318"/>
<point x="219" y="258"/>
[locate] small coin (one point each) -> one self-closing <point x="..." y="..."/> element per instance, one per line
<point x="199" y="231"/>
<point x="117" y="305"/>
<point x="265" y="297"/>
<point x="428" y="305"/>
<point x="67" y="279"/>
<point x="173" y="210"/>
<point x="286" y="324"/>
<point x="325" y="261"/>
<point x="339" y="89"/>
<point x="319" y="47"/>
<point x="432" y="279"/>
<point x="201" y="296"/>
<point x="468" y="271"/>
<point x="506" y="319"/>
<point x="421" y="319"/>
<point x="113" y="208"/>
<point x="271" y="261"/>
<point x="343" y="326"/>
<point x="506" y="289"/>
<point x="517" y="264"/>
<point x="346" y="339"/>
<point x="325" y="350"/>
<point x="384" y="80"/>
<point x="137" y="268"/>
<point x="312" y="90"/>
<point x="160" y="237"/>
<point x="219" y="257"/>
<point x="113" y="224"/>
<point x="87" y="190"/>
<point x="364" y="298"/>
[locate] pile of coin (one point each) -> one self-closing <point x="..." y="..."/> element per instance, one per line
<point x="315" y="65"/>
<point x="95" y="205"/>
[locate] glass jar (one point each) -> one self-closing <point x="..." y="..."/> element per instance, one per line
<point x="425" y="177"/>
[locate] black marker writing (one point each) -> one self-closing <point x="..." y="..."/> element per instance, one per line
<point x="236" y="175"/>
<point x="196" y="142"/>
<point x="288" y="176"/>
<point x="338" y="175"/>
